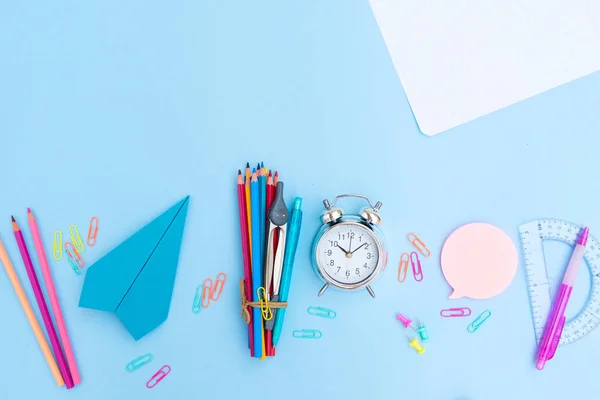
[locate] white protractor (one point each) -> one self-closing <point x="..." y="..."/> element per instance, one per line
<point x="532" y="235"/>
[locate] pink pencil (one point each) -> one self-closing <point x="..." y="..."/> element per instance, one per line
<point x="39" y="296"/>
<point x="54" y="304"/>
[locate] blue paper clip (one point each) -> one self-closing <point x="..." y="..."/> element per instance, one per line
<point x="307" y="334"/>
<point x="322" y="312"/>
<point x="74" y="266"/>
<point x="197" y="304"/>
<point x="479" y="321"/>
<point x="139" y="362"/>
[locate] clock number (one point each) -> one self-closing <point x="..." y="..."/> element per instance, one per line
<point x="368" y="256"/>
<point x="333" y="243"/>
<point x="360" y="238"/>
<point x="328" y="252"/>
<point x="365" y="266"/>
<point x="332" y="263"/>
<point x="347" y="273"/>
<point x="341" y="237"/>
<point x="338" y="269"/>
<point x="357" y="271"/>
<point x="367" y="246"/>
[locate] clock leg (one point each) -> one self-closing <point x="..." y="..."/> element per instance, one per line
<point x="323" y="289"/>
<point x="371" y="292"/>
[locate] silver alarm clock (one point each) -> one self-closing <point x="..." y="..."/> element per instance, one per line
<point x="349" y="250"/>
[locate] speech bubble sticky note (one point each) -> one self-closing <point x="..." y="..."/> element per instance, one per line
<point x="479" y="261"/>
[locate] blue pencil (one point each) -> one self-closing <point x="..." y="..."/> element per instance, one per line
<point x="262" y="198"/>
<point x="257" y="270"/>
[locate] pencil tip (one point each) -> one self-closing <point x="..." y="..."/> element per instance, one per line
<point x="13" y="218"/>
<point x="28" y="210"/>
<point x="239" y="171"/>
<point x="270" y="173"/>
<point x="247" y="165"/>
<point x="253" y="170"/>
<point x="277" y="174"/>
<point x="262" y="164"/>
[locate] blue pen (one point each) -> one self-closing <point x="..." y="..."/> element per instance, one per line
<point x="288" y="264"/>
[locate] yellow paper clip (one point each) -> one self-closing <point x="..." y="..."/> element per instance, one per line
<point x="403" y="268"/>
<point x="219" y="283"/>
<point x="206" y="292"/>
<point x="264" y="303"/>
<point x="419" y="245"/>
<point x="57" y="245"/>
<point x="76" y="239"/>
<point x="92" y="232"/>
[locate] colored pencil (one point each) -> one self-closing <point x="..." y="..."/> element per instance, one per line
<point x="257" y="271"/>
<point x="249" y="205"/>
<point x="276" y="178"/>
<point x="262" y="198"/>
<point x="39" y="296"/>
<point x="245" y="253"/>
<point x="270" y="193"/>
<point x="54" y="304"/>
<point x="35" y="326"/>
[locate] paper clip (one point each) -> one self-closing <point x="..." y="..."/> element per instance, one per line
<point x="419" y="245"/>
<point x="307" y="334"/>
<point x="264" y="304"/>
<point x="76" y="239"/>
<point x="322" y="312"/>
<point x="159" y="376"/>
<point x="206" y="291"/>
<point x="417" y="272"/>
<point x="72" y="263"/>
<point x="403" y="268"/>
<point x="92" y="232"/>
<point x="57" y="245"/>
<point x="456" y="312"/>
<point x="74" y="255"/>
<point x="197" y="304"/>
<point x="473" y="326"/>
<point x="219" y="283"/>
<point x="139" y="362"/>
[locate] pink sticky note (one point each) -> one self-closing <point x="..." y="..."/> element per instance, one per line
<point x="479" y="261"/>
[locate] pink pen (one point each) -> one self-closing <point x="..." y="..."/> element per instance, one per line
<point x="556" y="319"/>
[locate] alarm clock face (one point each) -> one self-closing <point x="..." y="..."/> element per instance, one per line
<point x="348" y="253"/>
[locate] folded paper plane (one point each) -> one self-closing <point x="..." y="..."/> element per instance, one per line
<point x="135" y="280"/>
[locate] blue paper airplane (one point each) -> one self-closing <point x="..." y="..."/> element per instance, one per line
<point x="135" y="280"/>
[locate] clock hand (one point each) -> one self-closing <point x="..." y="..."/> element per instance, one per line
<point x="347" y="252"/>
<point x="358" y="247"/>
<point x="350" y="245"/>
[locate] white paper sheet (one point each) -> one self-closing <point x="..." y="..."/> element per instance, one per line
<point x="460" y="59"/>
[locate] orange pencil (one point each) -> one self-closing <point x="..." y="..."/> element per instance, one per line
<point x="248" y="209"/>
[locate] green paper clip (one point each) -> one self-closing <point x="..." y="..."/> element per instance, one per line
<point x="322" y="312"/>
<point x="139" y="362"/>
<point x="197" y="304"/>
<point x="307" y="334"/>
<point x="479" y="321"/>
<point x="74" y="266"/>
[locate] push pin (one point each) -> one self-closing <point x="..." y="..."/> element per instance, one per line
<point x="405" y="321"/>
<point x="414" y="343"/>
<point x="422" y="331"/>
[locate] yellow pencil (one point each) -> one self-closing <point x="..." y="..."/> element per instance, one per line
<point x="37" y="331"/>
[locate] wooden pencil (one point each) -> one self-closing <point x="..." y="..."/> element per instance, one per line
<point x="257" y="272"/>
<point x="248" y="208"/>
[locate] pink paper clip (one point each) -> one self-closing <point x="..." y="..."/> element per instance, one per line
<point x="418" y="273"/>
<point x="207" y="292"/>
<point x="74" y="255"/>
<point x="159" y="376"/>
<point x="456" y="312"/>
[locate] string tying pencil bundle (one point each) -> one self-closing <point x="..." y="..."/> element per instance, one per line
<point x="268" y="250"/>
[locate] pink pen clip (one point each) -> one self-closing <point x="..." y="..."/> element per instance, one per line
<point x="418" y="273"/>
<point x="456" y="312"/>
<point x="158" y="376"/>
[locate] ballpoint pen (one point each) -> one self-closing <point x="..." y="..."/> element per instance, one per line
<point x="288" y="265"/>
<point x="556" y="318"/>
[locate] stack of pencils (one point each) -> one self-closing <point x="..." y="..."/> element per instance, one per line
<point x="267" y="257"/>
<point x="66" y="372"/>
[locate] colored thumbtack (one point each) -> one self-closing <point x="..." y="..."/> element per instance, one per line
<point x="414" y="343"/>
<point x="405" y="321"/>
<point x="422" y="331"/>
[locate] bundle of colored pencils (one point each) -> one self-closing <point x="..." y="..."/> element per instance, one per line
<point x="263" y="219"/>
<point x="66" y="372"/>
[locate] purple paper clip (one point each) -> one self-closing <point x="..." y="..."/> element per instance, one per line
<point x="418" y="273"/>
<point x="456" y="312"/>
<point x="159" y="376"/>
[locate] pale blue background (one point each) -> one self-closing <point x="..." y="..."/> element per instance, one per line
<point x="119" y="109"/>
